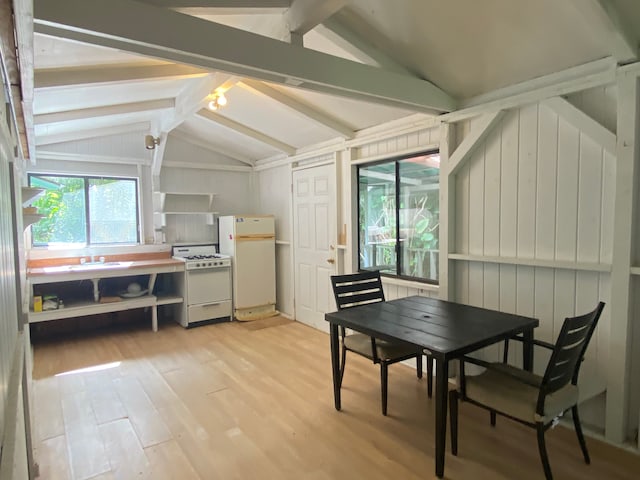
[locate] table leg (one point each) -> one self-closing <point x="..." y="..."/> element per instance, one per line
<point x="442" y="389"/>
<point x="335" y="363"/>
<point x="527" y="350"/>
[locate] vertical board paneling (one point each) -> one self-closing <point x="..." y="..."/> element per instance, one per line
<point x="508" y="187"/>
<point x="526" y="185"/>
<point x="589" y="201"/>
<point x="567" y="191"/>
<point x="8" y="293"/>
<point x="462" y="282"/>
<point x="475" y="227"/>
<point x="537" y="188"/>
<point x="462" y="210"/>
<point x="546" y="186"/>
<point x="608" y="191"/>
<point x="492" y="161"/>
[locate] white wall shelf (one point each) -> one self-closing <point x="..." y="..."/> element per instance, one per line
<point x="194" y="209"/>
<point x="30" y="218"/>
<point x="29" y="194"/>
<point x="532" y="262"/>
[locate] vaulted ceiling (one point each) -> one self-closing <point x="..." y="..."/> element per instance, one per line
<point x="295" y="73"/>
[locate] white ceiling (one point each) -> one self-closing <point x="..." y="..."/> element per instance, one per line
<point x="104" y="65"/>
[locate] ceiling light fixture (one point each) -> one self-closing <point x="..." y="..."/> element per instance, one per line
<point x="219" y="100"/>
<point x="150" y="142"/>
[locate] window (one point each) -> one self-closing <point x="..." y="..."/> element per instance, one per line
<point x="85" y="210"/>
<point x="398" y="216"/>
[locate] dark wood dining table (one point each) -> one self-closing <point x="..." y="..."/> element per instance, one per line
<point x="446" y="330"/>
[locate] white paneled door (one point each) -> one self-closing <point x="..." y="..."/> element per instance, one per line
<point x="314" y="217"/>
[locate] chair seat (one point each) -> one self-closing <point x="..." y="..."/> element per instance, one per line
<point x="503" y="389"/>
<point x="361" y="344"/>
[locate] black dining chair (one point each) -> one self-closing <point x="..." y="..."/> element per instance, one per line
<point x="533" y="400"/>
<point x="361" y="288"/>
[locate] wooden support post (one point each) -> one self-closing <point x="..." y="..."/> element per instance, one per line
<point x="618" y="367"/>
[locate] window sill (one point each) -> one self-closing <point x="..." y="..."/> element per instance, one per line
<point x="427" y="287"/>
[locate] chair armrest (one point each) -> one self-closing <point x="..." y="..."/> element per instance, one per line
<point x="539" y="343"/>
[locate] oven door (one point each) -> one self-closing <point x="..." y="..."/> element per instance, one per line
<point x="208" y="285"/>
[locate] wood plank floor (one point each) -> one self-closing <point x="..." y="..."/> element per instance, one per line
<point x="236" y="401"/>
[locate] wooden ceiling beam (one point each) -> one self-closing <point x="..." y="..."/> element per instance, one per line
<point x="143" y="29"/>
<point x="107" y="110"/>
<point x="104" y="131"/>
<point x="334" y="31"/>
<point x="322" y="119"/>
<point x="247" y="131"/>
<point x="304" y="15"/>
<point x="121" y="73"/>
<point x="603" y="14"/>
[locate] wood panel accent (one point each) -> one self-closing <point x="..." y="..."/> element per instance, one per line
<point x="226" y="401"/>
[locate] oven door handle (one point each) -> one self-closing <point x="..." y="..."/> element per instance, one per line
<point x="210" y="304"/>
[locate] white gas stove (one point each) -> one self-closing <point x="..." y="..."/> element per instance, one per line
<point x="200" y="256"/>
<point x="206" y="286"/>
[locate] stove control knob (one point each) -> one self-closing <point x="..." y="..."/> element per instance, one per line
<point x="197" y="265"/>
<point x="210" y="264"/>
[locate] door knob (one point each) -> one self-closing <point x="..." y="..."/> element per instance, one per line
<point x="331" y="260"/>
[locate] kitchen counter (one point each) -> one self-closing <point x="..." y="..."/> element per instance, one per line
<point x="83" y="306"/>
<point x="77" y="271"/>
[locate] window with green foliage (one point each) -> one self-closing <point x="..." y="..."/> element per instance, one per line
<point x="399" y="216"/>
<point x="85" y="210"/>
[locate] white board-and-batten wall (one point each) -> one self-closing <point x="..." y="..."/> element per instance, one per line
<point x="534" y="206"/>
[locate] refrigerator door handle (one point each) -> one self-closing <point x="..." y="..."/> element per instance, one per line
<point x="255" y="236"/>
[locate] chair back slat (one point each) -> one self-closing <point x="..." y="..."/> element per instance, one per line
<point x="564" y="364"/>
<point x="357" y="289"/>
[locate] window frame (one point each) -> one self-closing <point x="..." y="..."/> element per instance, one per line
<point x="87" y="206"/>
<point x="396" y="161"/>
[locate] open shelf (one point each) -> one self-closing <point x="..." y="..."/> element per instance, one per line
<point x="29" y="218"/>
<point x="82" y="308"/>
<point x="29" y="194"/>
<point x="168" y="299"/>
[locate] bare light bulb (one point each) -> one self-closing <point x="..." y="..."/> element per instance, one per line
<point x="222" y="100"/>
<point x="213" y="104"/>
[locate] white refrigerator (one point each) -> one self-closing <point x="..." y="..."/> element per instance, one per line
<point x="251" y="242"/>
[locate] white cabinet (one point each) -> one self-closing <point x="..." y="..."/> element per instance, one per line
<point x="184" y="217"/>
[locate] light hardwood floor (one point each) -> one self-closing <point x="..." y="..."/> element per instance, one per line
<point x="235" y="401"/>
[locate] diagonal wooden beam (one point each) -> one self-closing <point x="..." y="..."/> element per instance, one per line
<point x="143" y="29"/>
<point x="603" y="14"/>
<point x="65" y="77"/>
<point x="325" y="120"/>
<point x="305" y="15"/>
<point x="574" y="79"/>
<point x="232" y="154"/>
<point x="334" y="31"/>
<point x="103" y="111"/>
<point x="480" y="131"/>
<point x="48" y="139"/>
<point x="583" y="122"/>
<point x="249" y="132"/>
